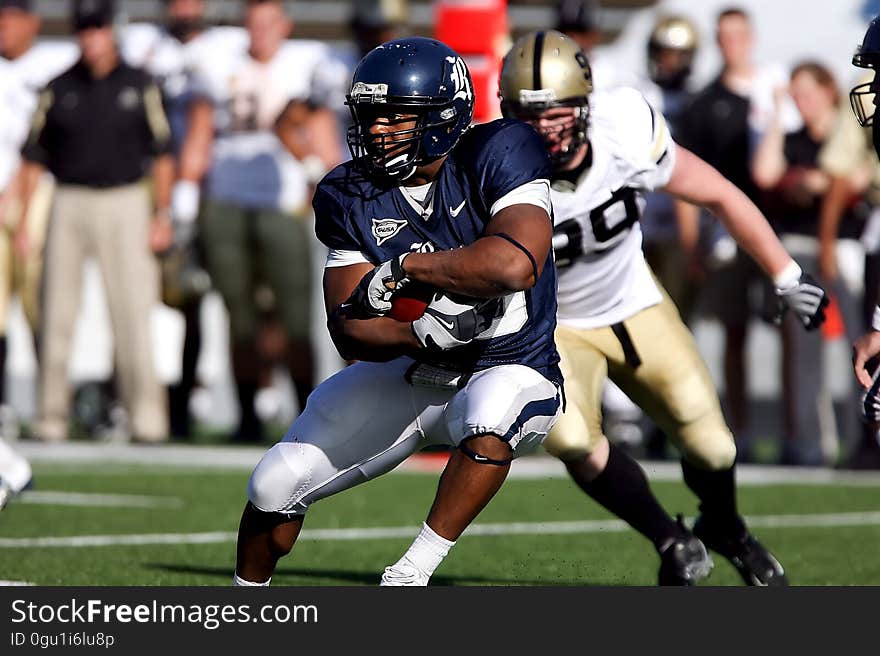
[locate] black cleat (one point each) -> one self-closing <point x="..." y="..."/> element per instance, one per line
<point x="755" y="564"/>
<point x="684" y="561"/>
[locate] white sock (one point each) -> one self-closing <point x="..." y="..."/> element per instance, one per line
<point x="238" y="581"/>
<point x="428" y="550"/>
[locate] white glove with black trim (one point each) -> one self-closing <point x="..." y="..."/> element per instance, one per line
<point x="802" y="295"/>
<point x="375" y="289"/>
<point x="449" y="323"/>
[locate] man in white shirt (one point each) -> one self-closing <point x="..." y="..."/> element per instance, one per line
<point x="171" y="53"/>
<point x="272" y="144"/>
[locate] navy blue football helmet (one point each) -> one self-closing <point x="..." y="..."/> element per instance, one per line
<point x="419" y="84"/>
<point x="867" y="56"/>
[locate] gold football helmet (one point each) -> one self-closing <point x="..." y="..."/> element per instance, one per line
<point x="671" y="48"/>
<point x="544" y="70"/>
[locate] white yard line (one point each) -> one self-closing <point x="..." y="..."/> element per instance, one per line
<point x="75" y="455"/>
<point x="8" y="584"/>
<point x="394" y="532"/>
<point x="53" y="498"/>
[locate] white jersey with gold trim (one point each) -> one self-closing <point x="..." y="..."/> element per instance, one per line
<point x="250" y="166"/>
<point x="174" y="64"/>
<point x="603" y="276"/>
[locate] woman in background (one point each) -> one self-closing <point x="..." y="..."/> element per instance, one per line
<point x="786" y="168"/>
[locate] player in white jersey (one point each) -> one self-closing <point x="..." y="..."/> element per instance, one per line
<point x="28" y="67"/>
<point x="172" y="53"/>
<point x="616" y="321"/>
<point x="273" y="141"/>
<point x="15" y="472"/>
<point x="25" y="68"/>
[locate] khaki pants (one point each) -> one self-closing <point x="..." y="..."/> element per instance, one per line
<point x="113" y="226"/>
<point x="653" y="358"/>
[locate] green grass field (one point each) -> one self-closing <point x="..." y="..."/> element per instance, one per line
<point x="195" y="512"/>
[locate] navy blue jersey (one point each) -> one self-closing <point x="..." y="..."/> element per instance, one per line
<point x="353" y="213"/>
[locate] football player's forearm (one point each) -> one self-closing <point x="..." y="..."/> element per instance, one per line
<point x="370" y="339"/>
<point x="748" y="226"/>
<point x="195" y="155"/>
<point x="488" y="268"/>
<point x="328" y="147"/>
<point x="695" y="181"/>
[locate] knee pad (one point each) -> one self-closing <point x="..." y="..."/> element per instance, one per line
<point x="282" y="479"/>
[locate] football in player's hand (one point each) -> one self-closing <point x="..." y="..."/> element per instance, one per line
<point x="409" y="304"/>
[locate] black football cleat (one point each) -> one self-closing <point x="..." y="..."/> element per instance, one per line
<point x="685" y="561"/>
<point x="755" y="564"/>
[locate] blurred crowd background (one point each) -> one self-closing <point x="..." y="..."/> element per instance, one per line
<point x="199" y="317"/>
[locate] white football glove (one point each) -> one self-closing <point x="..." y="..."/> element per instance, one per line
<point x="806" y="298"/>
<point x="448" y="323"/>
<point x="375" y="289"/>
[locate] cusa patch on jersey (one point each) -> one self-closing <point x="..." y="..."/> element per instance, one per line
<point x="385" y="229"/>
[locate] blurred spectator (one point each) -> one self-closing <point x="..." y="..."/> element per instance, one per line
<point x="170" y="53"/>
<point x="786" y="165"/>
<point x="98" y="129"/>
<point x="850" y="159"/>
<point x="272" y="143"/>
<point x="27" y="67"/>
<point x="579" y="20"/>
<point x="371" y="23"/>
<point x="374" y="22"/>
<point x="720" y="125"/>
<point x="670" y="54"/>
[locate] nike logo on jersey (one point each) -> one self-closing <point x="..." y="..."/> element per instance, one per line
<point x="455" y="212"/>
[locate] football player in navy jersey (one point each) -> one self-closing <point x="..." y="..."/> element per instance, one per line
<point x="427" y="205"/>
<point x="864" y="104"/>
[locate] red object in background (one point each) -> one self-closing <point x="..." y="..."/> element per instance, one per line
<point x="478" y="31"/>
<point x="410" y="303"/>
<point x="485" y="72"/>
<point x="471" y="27"/>
<point x="833" y="328"/>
